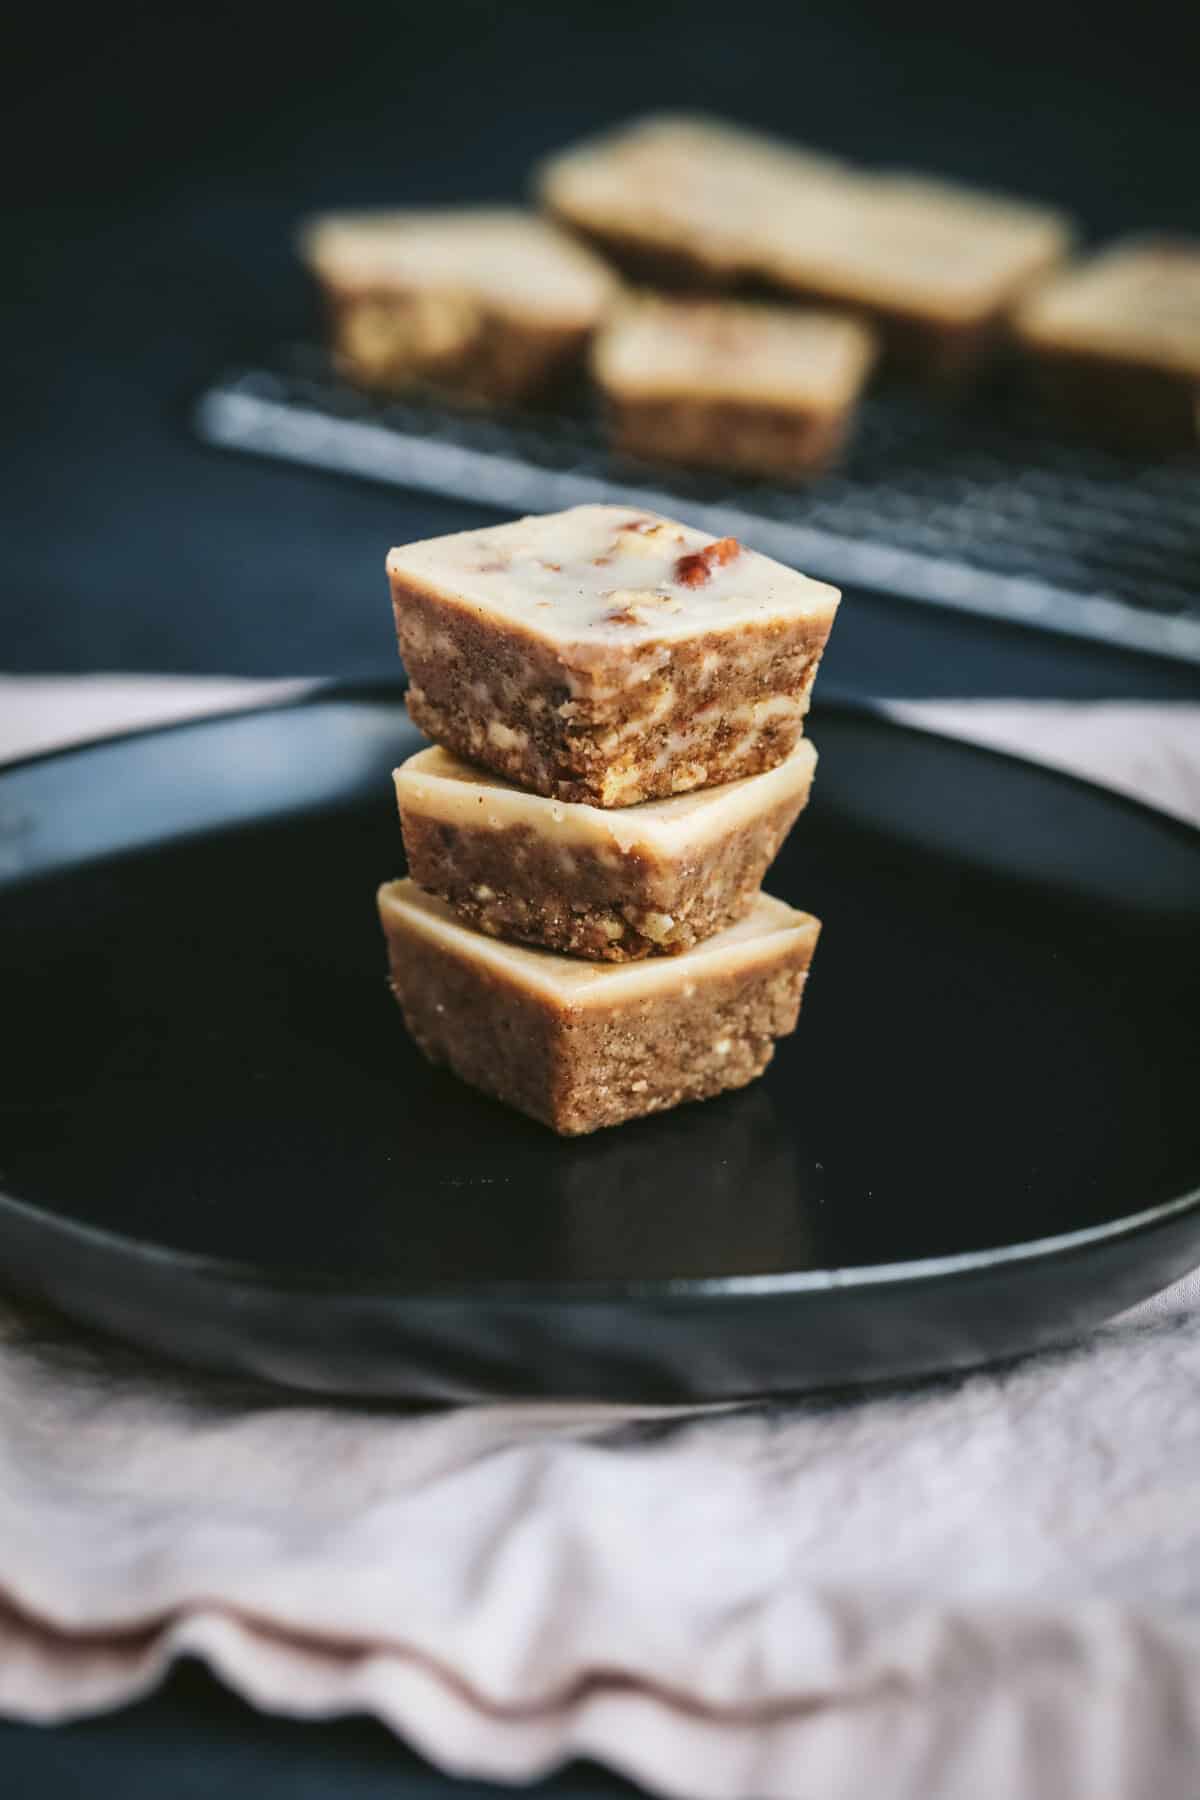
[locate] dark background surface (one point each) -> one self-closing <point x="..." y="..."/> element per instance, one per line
<point x="160" y="159"/>
<point x="167" y="157"/>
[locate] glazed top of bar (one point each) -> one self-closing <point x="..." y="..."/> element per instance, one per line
<point x="608" y="576"/>
<point x="684" y="181"/>
<point x="454" y="792"/>
<point x="869" y="237"/>
<point x="510" y="257"/>
<point x="569" y="983"/>
<point x="945" y="253"/>
<point x="1139" y="300"/>
<point x="709" y="349"/>
<point x="940" y="247"/>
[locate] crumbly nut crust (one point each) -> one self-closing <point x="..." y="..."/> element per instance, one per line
<point x="707" y="434"/>
<point x="601" y="902"/>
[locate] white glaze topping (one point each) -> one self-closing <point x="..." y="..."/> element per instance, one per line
<point x="511" y="259"/>
<point x="908" y="239"/>
<point x="698" y="350"/>
<point x="612" y="575"/>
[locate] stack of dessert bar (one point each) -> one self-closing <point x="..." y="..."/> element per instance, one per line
<point x="618" y="704"/>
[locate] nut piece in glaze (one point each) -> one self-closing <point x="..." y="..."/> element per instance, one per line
<point x="583" y="1045"/>
<point x="577" y="655"/>
<point x="610" y="886"/>
<point x="723" y="384"/>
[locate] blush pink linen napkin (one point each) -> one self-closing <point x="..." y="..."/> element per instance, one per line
<point x="985" y="1585"/>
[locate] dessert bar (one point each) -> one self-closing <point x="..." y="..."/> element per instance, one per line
<point x="768" y="390"/>
<point x="485" y="305"/>
<point x="937" y="268"/>
<point x="580" y="1045"/>
<point x="607" y="885"/>
<point x="607" y="655"/>
<point x="680" y="199"/>
<point x="1117" y="342"/>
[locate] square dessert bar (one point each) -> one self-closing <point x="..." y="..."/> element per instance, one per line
<point x="607" y="885"/>
<point x="579" y="1045"/>
<point x="1117" y="342"/>
<point x="718" y="382"/>
<point x="936" y="268"/>
<point x="483" y="304"/>
<point x="607" y="655"/>
<point x="683" y="199"/>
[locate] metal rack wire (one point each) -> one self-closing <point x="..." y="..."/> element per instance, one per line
<point x="976" y="507"/>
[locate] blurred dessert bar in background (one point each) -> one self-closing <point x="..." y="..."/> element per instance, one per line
<point x="485" y="305"/>
<point x="580" y="1045"/>
<point x="676" y="199"/>
<point x="603" y="884"/>
<point x="764" y="389"/>
<point x="1116" y="342"/>
<point x="805" y="273"/>
<point x="935" y="267"/>
<point x="607" y="655"/>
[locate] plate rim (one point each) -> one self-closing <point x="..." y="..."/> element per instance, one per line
<point x="859" y="1278"/>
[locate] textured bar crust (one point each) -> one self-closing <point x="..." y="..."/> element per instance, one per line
<point x="582" y="1045"/>
<point x="607" y="655"/>
<point x="936" y="268"/>
<point x="484" y="305"/>
<point x="609" y="886"/>
<point x="1115" y="343"/>
<point x="723" y="384"/>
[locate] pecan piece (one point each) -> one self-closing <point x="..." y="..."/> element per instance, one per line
<point x="694" y="570"/>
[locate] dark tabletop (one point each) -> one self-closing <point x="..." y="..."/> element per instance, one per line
<point x="161" y="159"/>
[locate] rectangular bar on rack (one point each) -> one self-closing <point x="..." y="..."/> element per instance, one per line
<point x="608" y="655"/>
<point x="728" y="385"/>
<point x="485" y="304"/>
<point x="1116" y="342"/>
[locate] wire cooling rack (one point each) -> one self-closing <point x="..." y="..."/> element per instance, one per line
<point x="975" y="506"/>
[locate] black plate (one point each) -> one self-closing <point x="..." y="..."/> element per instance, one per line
<point x="216" y="1139"/>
